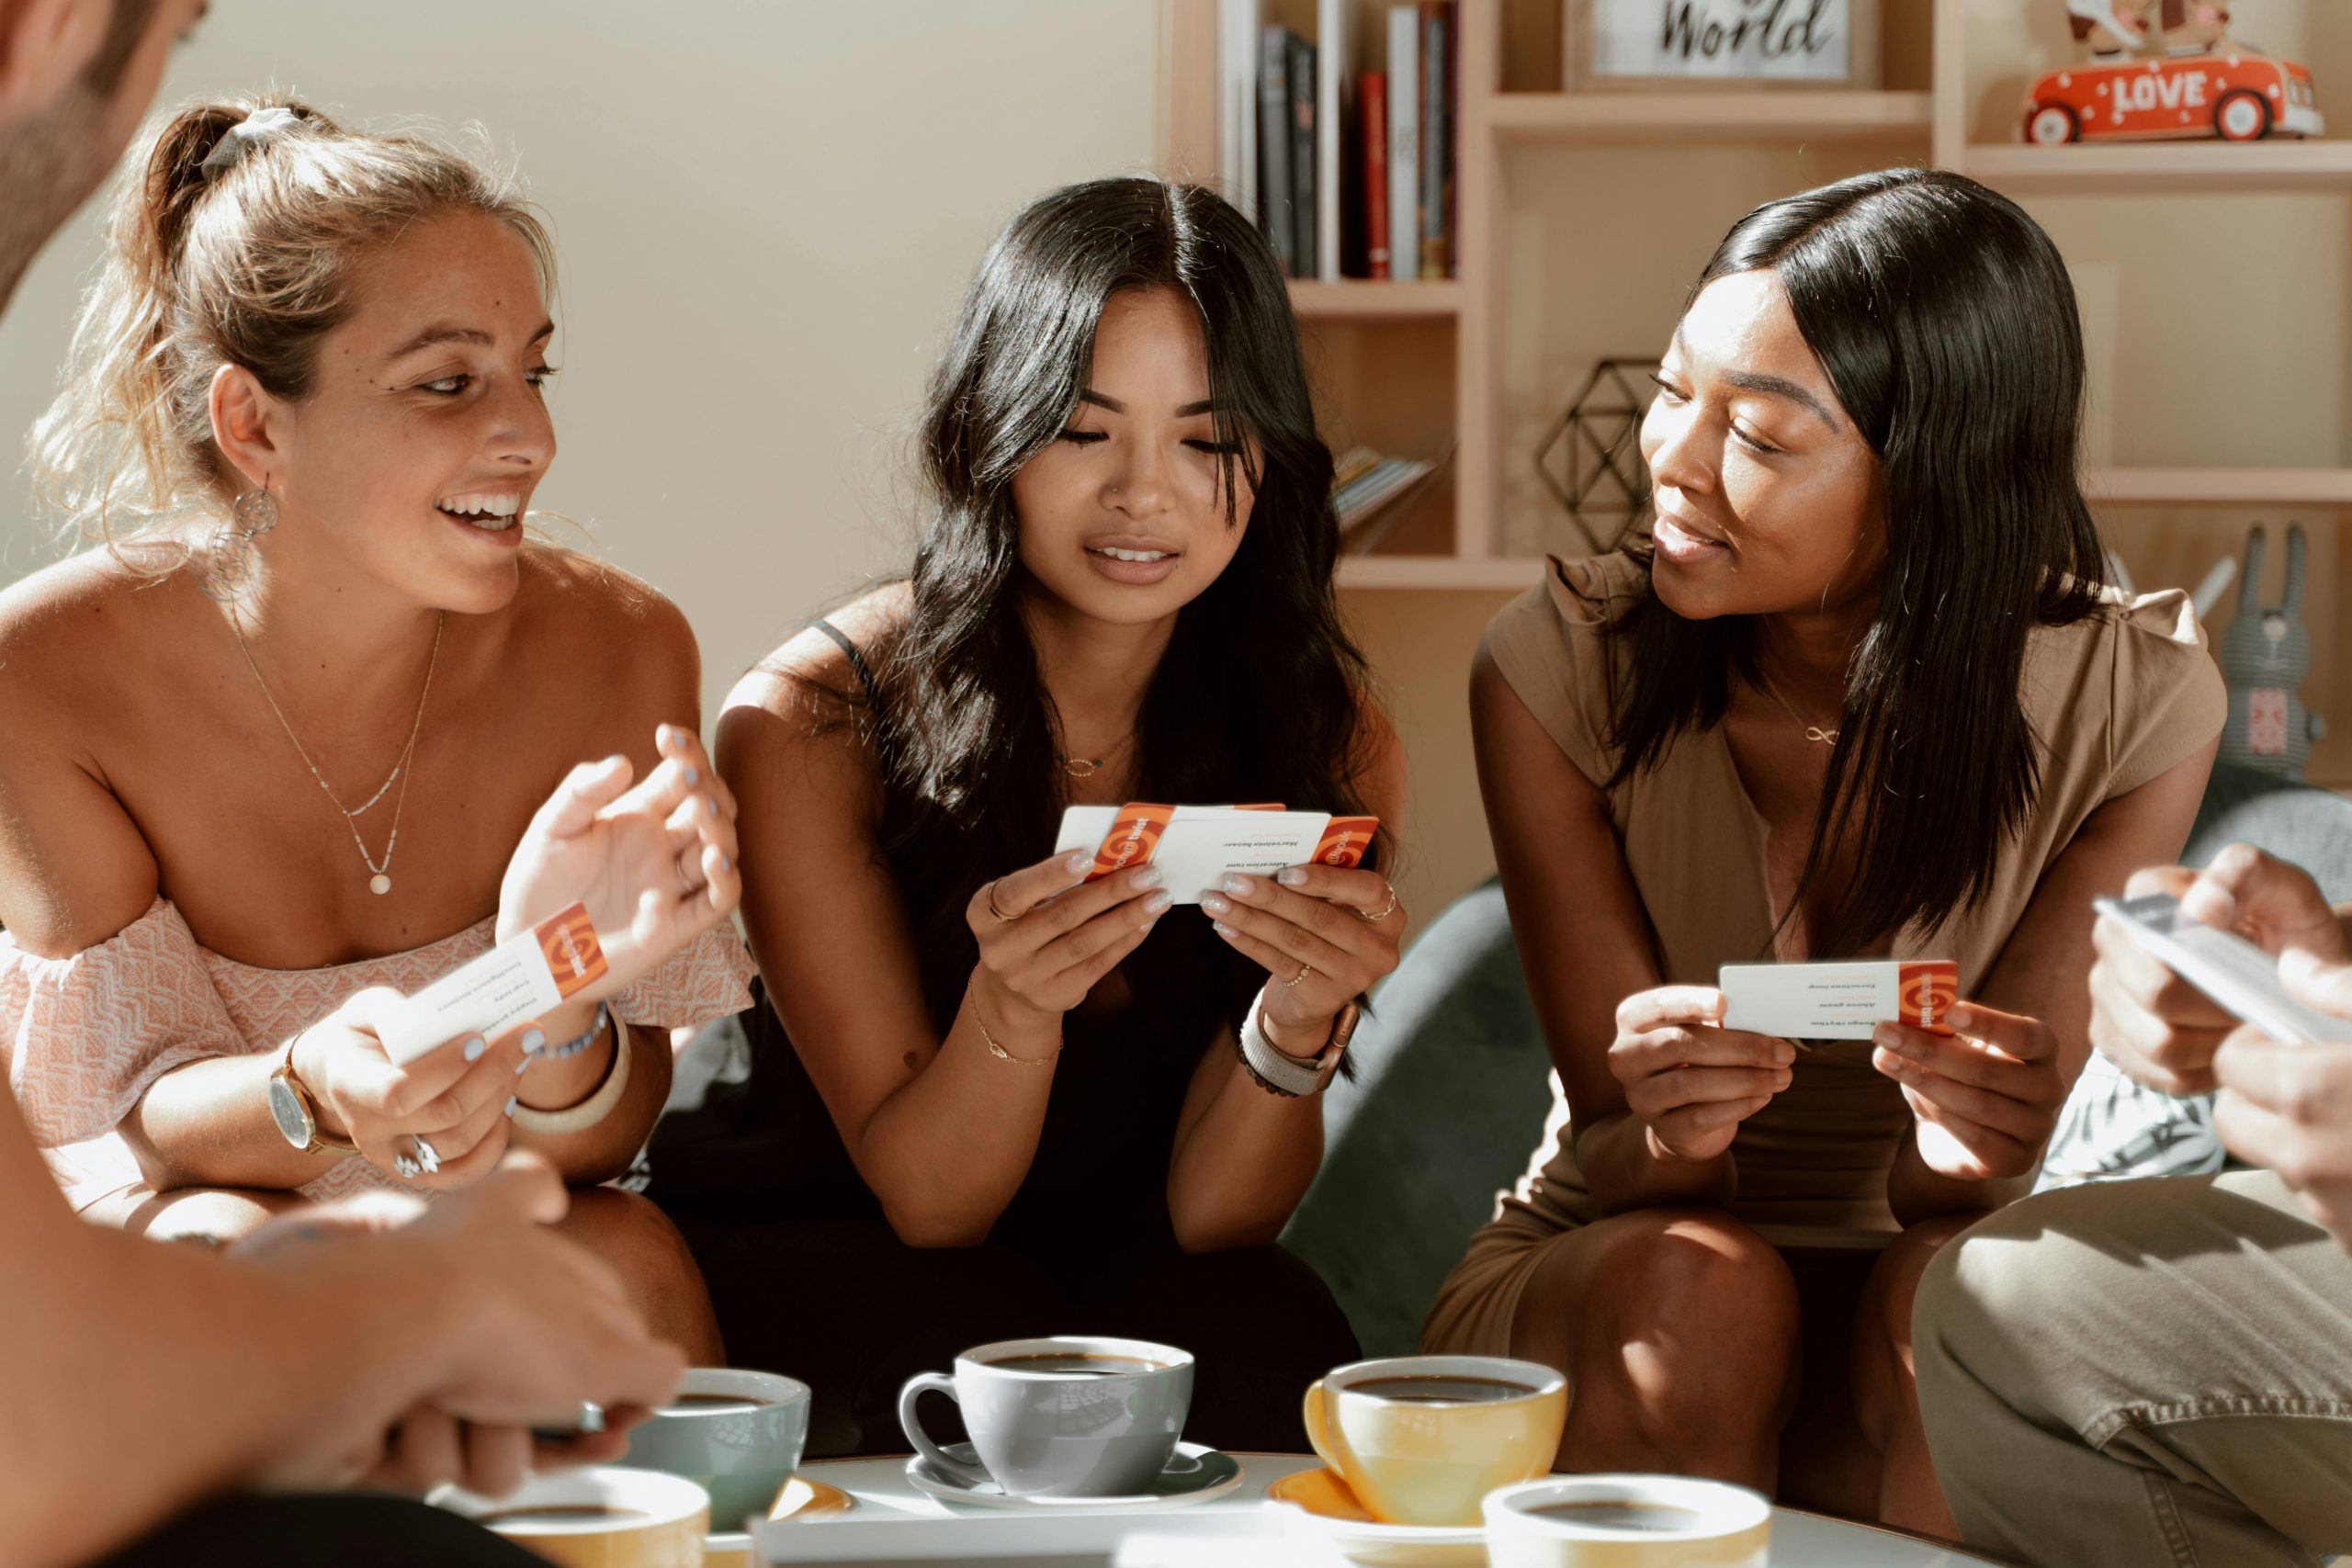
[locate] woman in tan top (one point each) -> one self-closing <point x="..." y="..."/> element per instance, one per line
<point x="1861" y="692"/>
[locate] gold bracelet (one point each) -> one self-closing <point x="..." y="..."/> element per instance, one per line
<point x="998" y="1052"/>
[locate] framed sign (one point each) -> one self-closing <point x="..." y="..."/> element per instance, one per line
<point x="1688" y="44"/>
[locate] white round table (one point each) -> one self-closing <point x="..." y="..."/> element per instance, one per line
<point x="895" y="1523"/>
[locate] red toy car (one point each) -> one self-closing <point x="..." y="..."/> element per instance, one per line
<point x="2236" y="96"/>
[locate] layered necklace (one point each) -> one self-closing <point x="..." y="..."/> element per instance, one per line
<point x="1087" y="767"/>
<point x="379" y="879"/>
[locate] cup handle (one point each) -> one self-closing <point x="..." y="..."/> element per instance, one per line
<point x="1317" y="1434"/>
<point x="953" y="1469"/>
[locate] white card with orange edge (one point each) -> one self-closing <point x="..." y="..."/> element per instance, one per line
<point x="1841" y="1000"/>
<point x="1197" y="847"/>
<point x="530" y="973"/>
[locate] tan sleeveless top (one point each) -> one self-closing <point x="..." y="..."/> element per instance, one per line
<point x="2114" y="700"/>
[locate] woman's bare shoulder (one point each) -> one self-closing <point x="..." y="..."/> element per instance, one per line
<point x="79" y="623"/>
<point x="812" y="668"/>
<point x="613" y="632"/>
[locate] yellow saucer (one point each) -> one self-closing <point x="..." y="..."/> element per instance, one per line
<point x="1330" y="1506"/>
<point x="801" y="1499"/>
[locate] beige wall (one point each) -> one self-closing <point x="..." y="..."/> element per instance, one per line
<point x="765" y="211"/>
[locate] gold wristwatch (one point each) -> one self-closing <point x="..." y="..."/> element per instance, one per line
<point x="296" y="1115"/>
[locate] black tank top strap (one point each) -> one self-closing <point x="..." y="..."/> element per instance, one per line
<point x="856" y="660"/>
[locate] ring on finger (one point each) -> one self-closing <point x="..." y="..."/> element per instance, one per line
<point x="1374" y="919"/>
<point x="428" y="1159"/>
<point x="1003" y="917"/>
<point x="1295" y="980"/>
<point x="405" y="1165"/>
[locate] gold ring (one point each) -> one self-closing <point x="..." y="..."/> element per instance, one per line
<point x="999" y="914"/>
<point x="1374" y="919"/>
<point x="1295" y="980"/>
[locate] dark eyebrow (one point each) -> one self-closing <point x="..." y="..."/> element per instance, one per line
<point x="449" y="332"/>
<point x="1089" y="395"/>
<point x="1772" y="386"/>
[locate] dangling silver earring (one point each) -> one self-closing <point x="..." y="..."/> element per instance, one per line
<point x="228" y="563"/>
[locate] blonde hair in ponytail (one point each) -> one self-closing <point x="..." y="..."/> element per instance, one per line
<point x="249" y="265"/>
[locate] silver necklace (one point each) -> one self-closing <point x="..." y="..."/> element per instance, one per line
<point x="379" y="879"/>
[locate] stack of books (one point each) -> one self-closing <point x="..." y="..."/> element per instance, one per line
<point x="1349" y="173"/>
<point x="1367" y="486"/>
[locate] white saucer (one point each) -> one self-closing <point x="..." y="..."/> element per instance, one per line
<point x="1195" y="1474"/>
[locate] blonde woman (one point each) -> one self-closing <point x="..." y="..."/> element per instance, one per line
<point x="274" y="747"/>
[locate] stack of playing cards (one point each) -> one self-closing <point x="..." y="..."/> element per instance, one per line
<point x="1839" y="1001"/>
<point x="1195" y="847"/>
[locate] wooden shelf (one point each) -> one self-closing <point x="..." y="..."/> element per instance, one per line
<point x="2219" y="487"/>
<point x="1364" y="299"/>
<point x="2144" y="166"/>
<point x="1799" y="115"/>
<point x="1459" y="574"/>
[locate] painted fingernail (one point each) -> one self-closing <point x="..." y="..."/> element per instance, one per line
<point x="711" y="801"/>
<point x="1240" y="886"/>
<point x="1079" y="861"/>
<point x="1149" y="877"/>
<point x="727" y="863"/>
<point x="512" y="1102"/>
<point x="1222" y="930"/>
<point x="1292" y="876"/>
<point x="1157" y="905"/>
<point x="475" y="1047"/>
<point x="532" y="1039"/>
<point x="694" y="775"/>
<point x="1216" y="904"/>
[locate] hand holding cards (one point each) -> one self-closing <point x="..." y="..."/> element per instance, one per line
<point x="2239" y="977"/>
<point x="1194" y="847"/>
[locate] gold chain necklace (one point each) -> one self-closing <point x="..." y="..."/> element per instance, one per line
<point x="1813" y="732"/>
<point x="1087" y="767"/>
<point x="379" y="879"/>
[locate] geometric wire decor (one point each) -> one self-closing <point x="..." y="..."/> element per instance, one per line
<point x="1590" y="460"/>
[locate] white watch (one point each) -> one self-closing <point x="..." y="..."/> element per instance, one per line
<point x="1280" y="1073"/>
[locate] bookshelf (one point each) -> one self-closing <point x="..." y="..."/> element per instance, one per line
<point x="1566" y="254"/>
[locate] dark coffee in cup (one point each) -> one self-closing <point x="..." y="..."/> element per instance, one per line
<point x="1634" y="1518"/>
<point x="558" y="1514"/>
<point x="1080" y="1364"/>
<point x="1426" y="1389"/>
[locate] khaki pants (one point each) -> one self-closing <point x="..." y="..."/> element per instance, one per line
<point x="2145" y="1373"/>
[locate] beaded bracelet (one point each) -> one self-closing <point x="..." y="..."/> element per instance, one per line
<point x="586" y="1038"/>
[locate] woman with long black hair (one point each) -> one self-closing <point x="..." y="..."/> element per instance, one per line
<point x="1860" y="693"/>
<point x="989" y="1099"/>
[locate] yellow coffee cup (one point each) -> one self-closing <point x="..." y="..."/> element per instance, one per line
<point x="596" y="1517"/>
<point x="1420" y="1439"/>
<point x="1627" y="1521"/>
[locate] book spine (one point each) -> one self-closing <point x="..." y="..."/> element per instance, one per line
<point x="1304" y="249"/>
<point x="1335" y="93"/>
<point x="1373" y="94"/>
<point x="1434" y="111"/>
<point x="1237" y="103"/>
<point x="1404" y="141"/>
<point x="1274" y="145"/>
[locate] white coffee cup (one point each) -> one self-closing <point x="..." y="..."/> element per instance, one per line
<point x="1627" y="1521"/>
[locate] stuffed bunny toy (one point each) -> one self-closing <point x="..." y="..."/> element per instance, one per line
<point x="2264" y="656"/>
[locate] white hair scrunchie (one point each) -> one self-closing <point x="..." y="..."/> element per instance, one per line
<point x="253" y="130"/>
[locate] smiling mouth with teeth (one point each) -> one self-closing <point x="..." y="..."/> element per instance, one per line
<point x="493" y="511"/>
<point x="1131" y="555"/>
